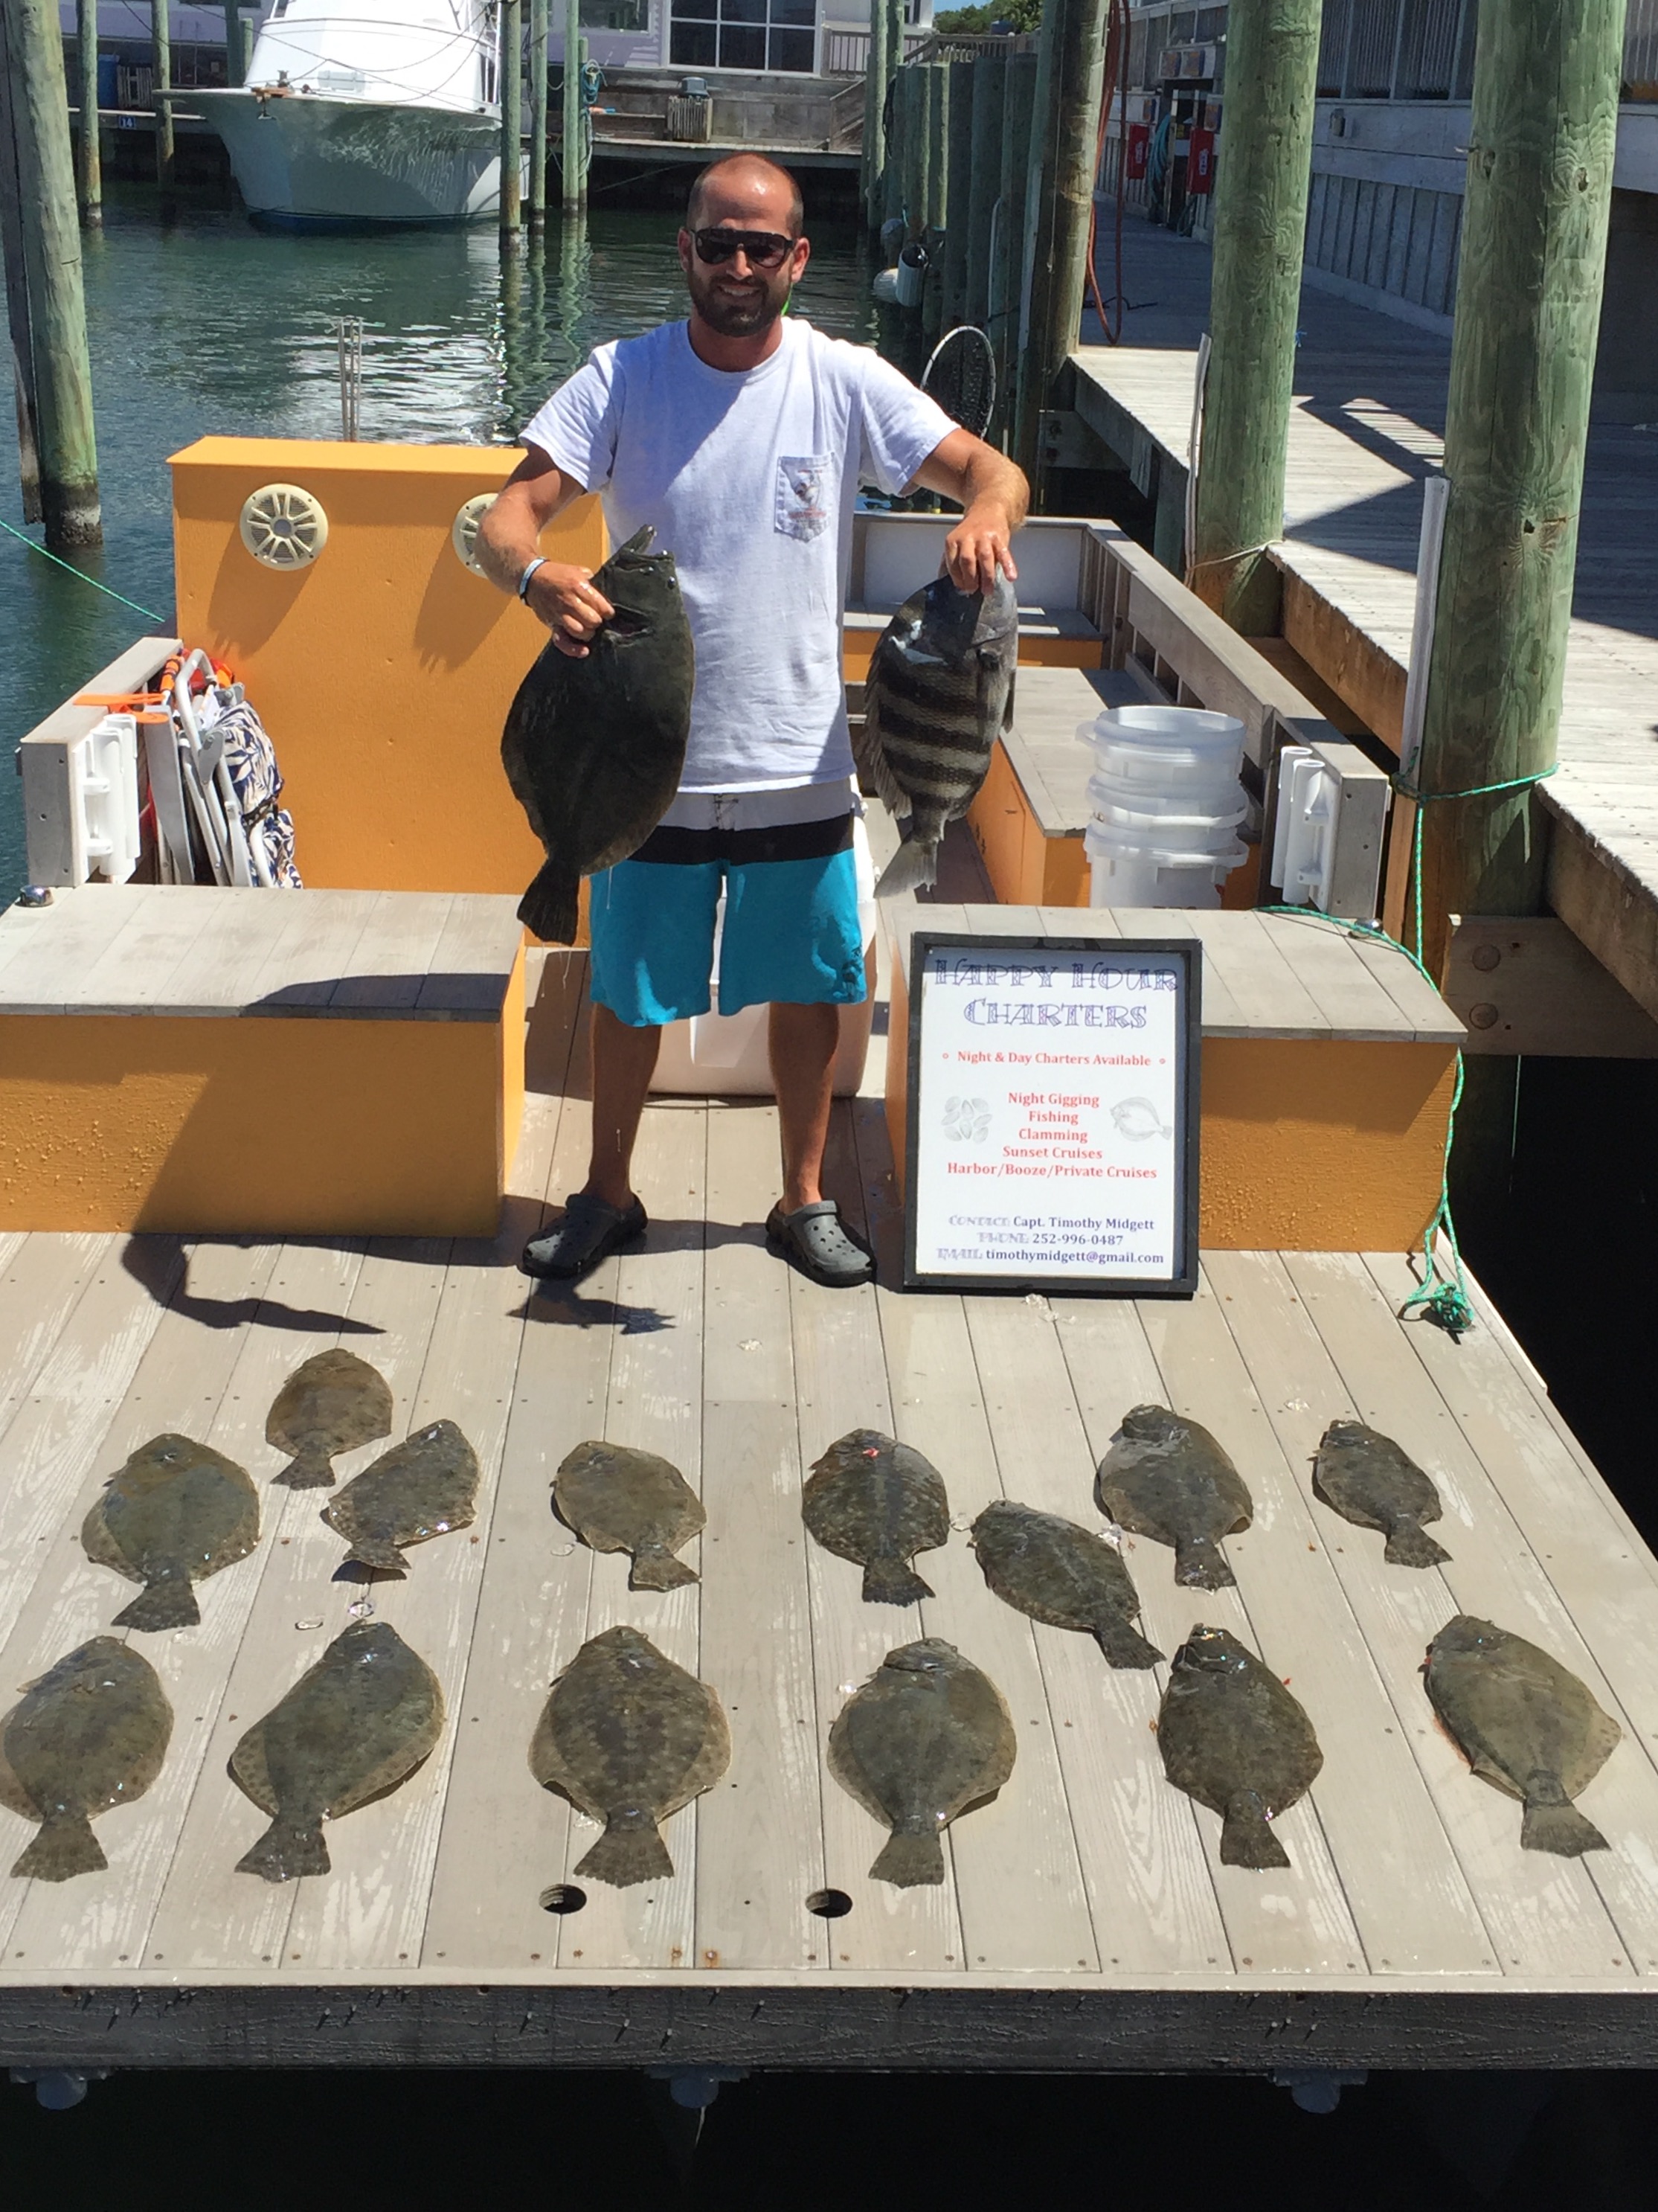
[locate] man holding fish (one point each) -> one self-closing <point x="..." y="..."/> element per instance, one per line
<point x="741" y="434"/>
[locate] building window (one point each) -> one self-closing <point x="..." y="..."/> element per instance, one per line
<point x="616" y="15"/>
<point x="744" y="34"/>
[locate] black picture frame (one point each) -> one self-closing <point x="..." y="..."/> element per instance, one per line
<point x="1182" y="1281"/>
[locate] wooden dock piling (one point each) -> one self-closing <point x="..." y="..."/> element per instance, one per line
<point x="17" y="293"/>
<point x="161" y="46"/>
<point x="539" y="27"/>
<point x="50" y="236"/>
<point x="936" y="198"/>
<point x="509" y="83"/>
<point x="1007" y="262"/>
<point x="88" y="155"/>
<point x="573" y="168"/>
<point x="1260" y="224"/>
<point x="892" y="182"/>
<point x="958" y="192"/>
<point x="875" y="90"/>
<point x="989" y="80"/>
<point x="1073" y="42"/>
<point x="238" y="43"/>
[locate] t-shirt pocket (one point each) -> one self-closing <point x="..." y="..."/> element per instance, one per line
<point x="803" y="494"/>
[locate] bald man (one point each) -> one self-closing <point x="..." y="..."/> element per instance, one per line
<point x="741" y="434"/>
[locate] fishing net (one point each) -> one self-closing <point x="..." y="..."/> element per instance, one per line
<point x="961" y="376"/>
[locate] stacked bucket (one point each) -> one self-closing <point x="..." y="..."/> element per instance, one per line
<point x="1165" y="805"/>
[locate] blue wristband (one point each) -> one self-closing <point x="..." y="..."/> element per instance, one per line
<point x="529" y="570"/>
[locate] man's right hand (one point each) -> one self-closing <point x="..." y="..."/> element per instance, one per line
<point x="562" y="596"/>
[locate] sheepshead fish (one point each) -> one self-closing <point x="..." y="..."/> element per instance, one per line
<point x="874" y="1501"/>
<point x="1233" y="1737"/>
<point x="351" y="1729"/>
<point x="1525" y="1724"/>
<point x="1168" y="1479"/>
<point x="620" y="1500"/>
<point x="939" y="694"/>
<point x="333" y="1402"/>
<point x="628" y="1738"/>
<point x="91" y="1733"/>
<point x="926" y="1737"/>
<point x="1366" y="1478"/>
<point x="1066" y="1576"/>
<point x="594" y="748"/>
<point x="176" y="1513"/>
<point x="421" y="1488"/>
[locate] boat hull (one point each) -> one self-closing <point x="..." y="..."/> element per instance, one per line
<point x="306" y="163"/>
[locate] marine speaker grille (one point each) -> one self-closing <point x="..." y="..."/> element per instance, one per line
<point x="283" y="526"/>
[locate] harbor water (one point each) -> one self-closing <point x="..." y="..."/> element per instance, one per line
<point x="204" y="327"/>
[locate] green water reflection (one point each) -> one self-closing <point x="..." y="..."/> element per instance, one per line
<point x="206" y="326"/>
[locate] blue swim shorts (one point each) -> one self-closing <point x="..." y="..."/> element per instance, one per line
<point x="787" y="864"/>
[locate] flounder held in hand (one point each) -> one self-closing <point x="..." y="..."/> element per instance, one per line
<point x="421" y="1488"/>
<point x="620" y="1500"/>
<point x="1168" y="1479"/>
<point x="939" y="694"/>
<point x="1068" y="1576"/>
<point x="1366" y="1478"/>
<point x="1525" y="1724"/>
<point x="1233" y="1737"/>
<point x="878" y="1502"/>
<point x="176" y="1513"/>
<point x="628" y="1738"/>
<point x="594" y="748"/>
<point x="333" y="1402"/>
<point x="927" y="1737"/>
<point x="91" y="1733"/>
<point x="351" y="1729"/>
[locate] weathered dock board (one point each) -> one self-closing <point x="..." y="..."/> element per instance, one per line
<point x="1086" y="1921"/>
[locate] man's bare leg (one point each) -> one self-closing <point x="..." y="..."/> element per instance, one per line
<point x="624" y="1060"/>
<point x="804" y="1041"/>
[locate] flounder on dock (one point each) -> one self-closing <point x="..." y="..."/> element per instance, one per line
<point x="176" y="1513"/>
<point x="421" y="1488"/>
<point x="1068" y="1576"/>
<point x="1367" y="1479"/>
<point x="1525" y="1724"/>
<point x="594" y="747"/>
<point x="927" y="1737"/>
<point x="939" y="694"/>
<point x="1166" y="1478"/>
<point x="628" y="1738"/>
<point x="91" y="1733"/>
<point x="351" y="1729"/>
<point x="617" y="1500"/>
<point x="333" y="1402"/>
<point x="875" y="1502"/>
<point x="1233" y="1737"/>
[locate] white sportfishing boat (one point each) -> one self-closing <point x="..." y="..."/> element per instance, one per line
<point x="366" y="115"/>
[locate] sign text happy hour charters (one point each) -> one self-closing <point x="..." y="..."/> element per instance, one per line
<point x="1048" y="1135"/>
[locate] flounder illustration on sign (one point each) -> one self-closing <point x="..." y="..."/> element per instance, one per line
<point x="967" y="1120"/>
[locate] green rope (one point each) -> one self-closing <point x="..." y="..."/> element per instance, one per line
<point x="1444" y="1297"/>
<point x="69" y="568"/>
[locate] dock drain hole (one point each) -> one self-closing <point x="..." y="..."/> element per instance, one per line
<point x="829" y="1904"/>
<point x="563" y="1897"/>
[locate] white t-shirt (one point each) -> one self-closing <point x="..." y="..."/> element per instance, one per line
<point x="750" y="478"/>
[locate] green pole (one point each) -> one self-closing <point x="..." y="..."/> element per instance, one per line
<point x="539" y="27"/>
<point x="1542" y="139"/>
<point x="989" y="80"/>
<point x="575" y="186"/>
<point x="892" y="182"/>
<point x="52" y="263"/>
<point x="1073" y="32"/>
<point x="510" y="76"/>
<point x="88" y="167"/>
<point x="1007" y="262"/>
<point x="958" y="193"/>
<point x="161" y="40"/>
<point x="1260" y="225"/>
<point x="235" y="69"/>
<point x="875" y="86"/>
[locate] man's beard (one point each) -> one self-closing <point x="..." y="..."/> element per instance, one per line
<point x="745" y="318"/>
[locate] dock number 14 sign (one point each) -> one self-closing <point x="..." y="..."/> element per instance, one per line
<point x="1052" y="1134"/>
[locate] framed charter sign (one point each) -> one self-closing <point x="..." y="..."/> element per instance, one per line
<point x="1052" y="1136"/>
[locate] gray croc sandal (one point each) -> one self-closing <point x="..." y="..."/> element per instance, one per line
<point x="816" y="1240"/>
<point x="588" y="1232"/>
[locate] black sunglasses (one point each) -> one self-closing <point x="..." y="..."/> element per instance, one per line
<point x="766" y="249"/>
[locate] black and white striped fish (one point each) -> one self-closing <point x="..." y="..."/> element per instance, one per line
<point x="939" y="694"/>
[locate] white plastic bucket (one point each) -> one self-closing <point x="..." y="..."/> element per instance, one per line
<point x="1128" y="872"/>
<point x="1173" y="750"/>
<point x="1166" y="802"/>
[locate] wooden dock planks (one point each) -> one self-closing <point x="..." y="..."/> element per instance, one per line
<point x="1088" y="1873"/>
